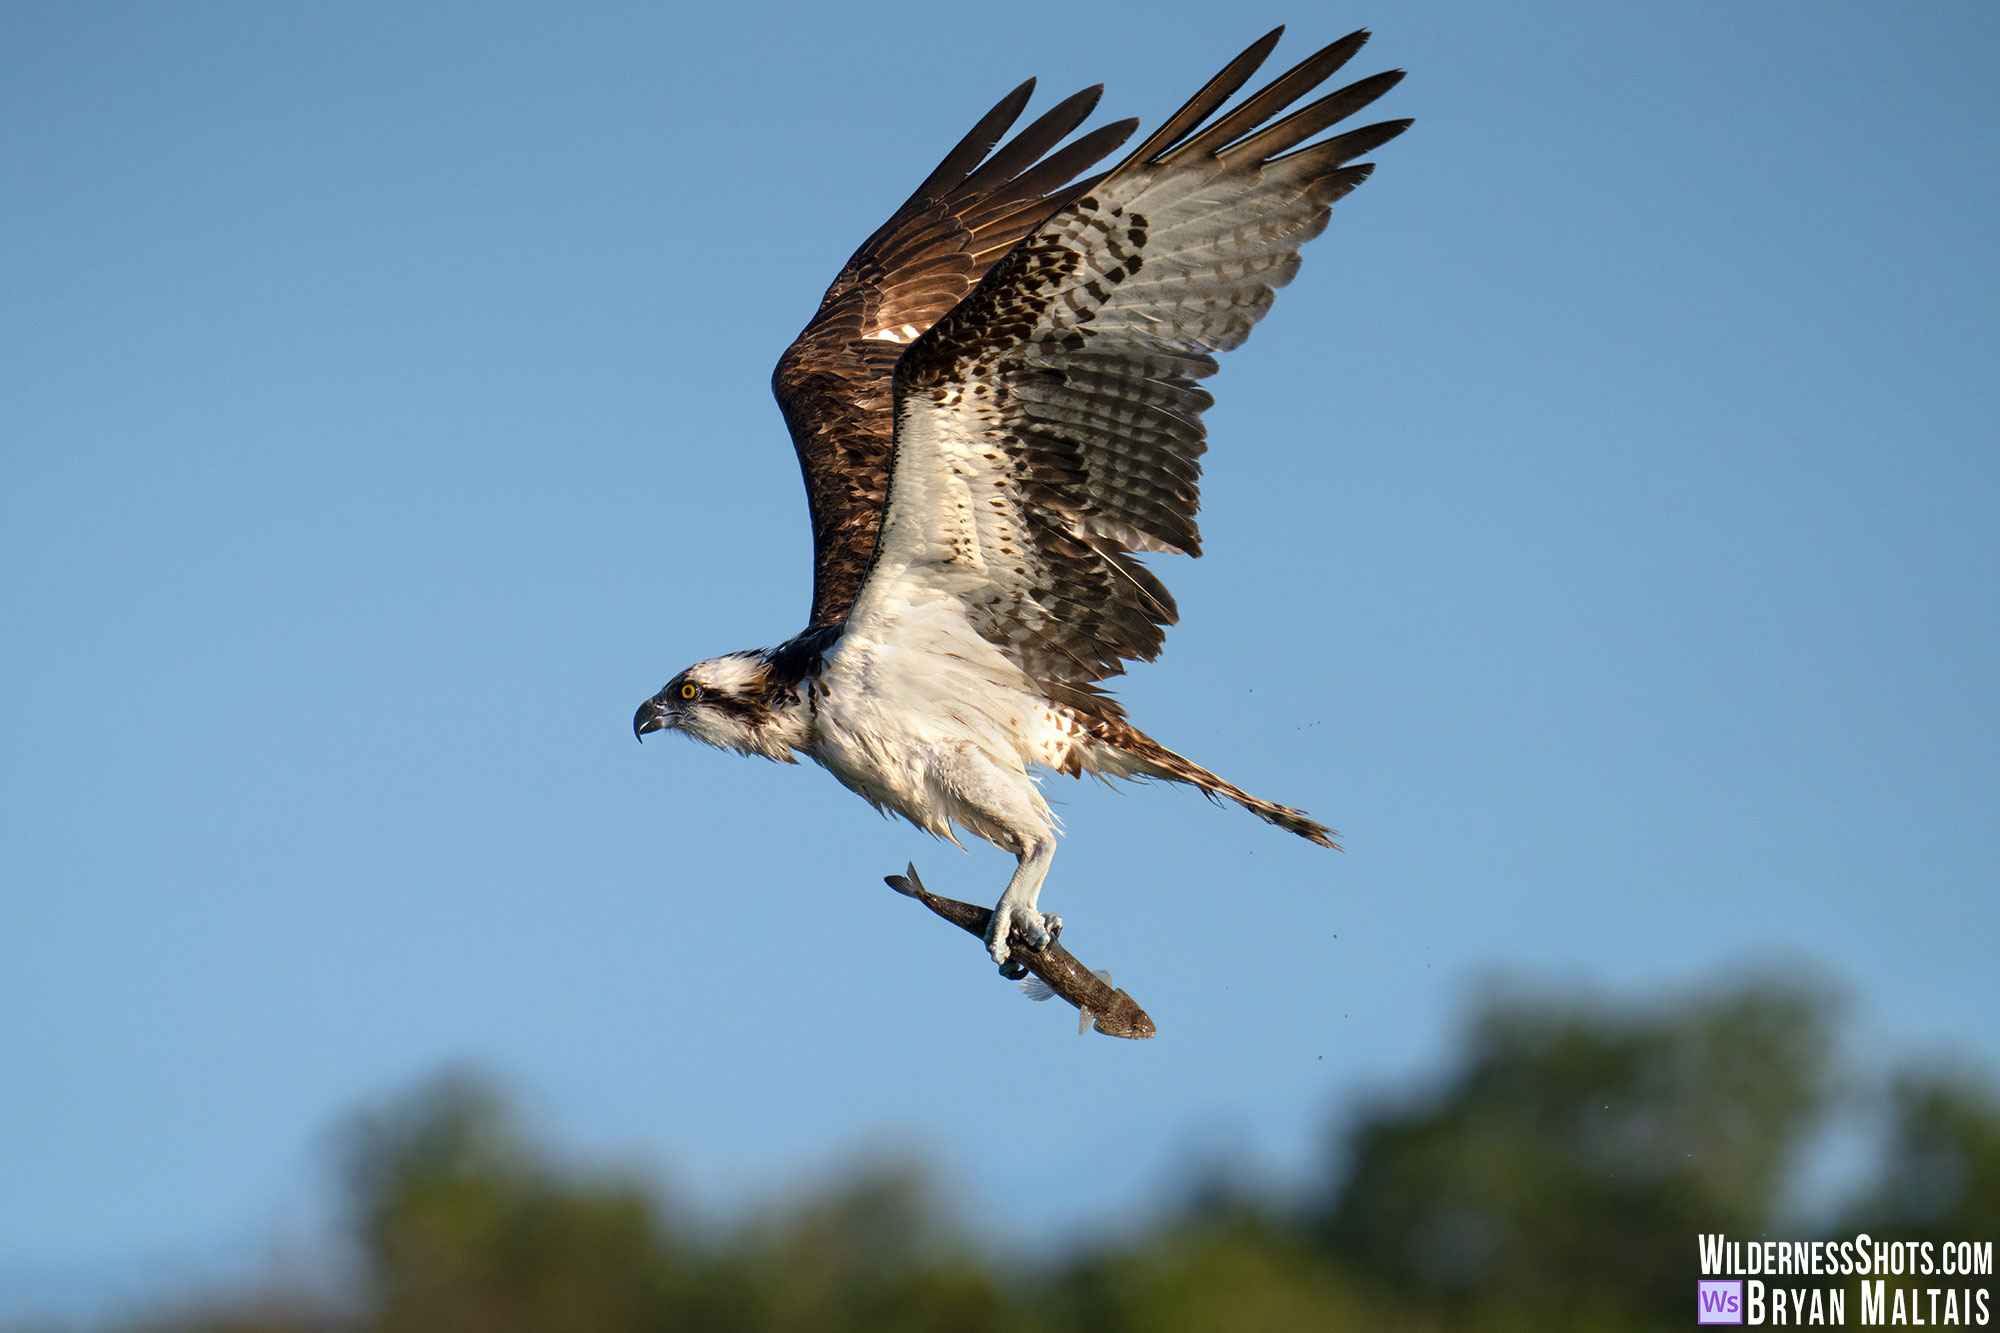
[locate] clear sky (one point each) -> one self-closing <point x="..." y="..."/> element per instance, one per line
<point x="1602" y="536"/>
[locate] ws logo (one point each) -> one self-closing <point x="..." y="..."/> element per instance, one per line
<point x="1718" y="1302"/>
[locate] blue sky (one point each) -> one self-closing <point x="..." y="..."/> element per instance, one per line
<point x="1601" y="535"/>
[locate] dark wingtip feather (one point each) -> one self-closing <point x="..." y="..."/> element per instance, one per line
<point x="1276" y="95"/>
<point x="1022" y="151"/>
<point x="1279" y="138"/>
<point x="1212" y="95"/>
<point x="1344" y="148"/>
<point x="970" y="151"/>
<point x="1039" y="191"/>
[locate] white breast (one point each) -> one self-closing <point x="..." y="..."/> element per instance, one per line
<point x="928" y="719"/>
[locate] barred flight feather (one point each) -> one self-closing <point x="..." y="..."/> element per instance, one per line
<point x="1051" y="420"/>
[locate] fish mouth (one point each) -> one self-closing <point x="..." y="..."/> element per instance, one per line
<point x="652" y="716"/>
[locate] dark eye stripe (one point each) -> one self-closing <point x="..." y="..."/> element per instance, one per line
<point x="747" y="709"/>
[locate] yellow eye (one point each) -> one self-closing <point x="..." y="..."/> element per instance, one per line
<point x="688" y="691"/>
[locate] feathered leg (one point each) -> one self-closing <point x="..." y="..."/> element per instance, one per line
<point x="1001" y="805"/>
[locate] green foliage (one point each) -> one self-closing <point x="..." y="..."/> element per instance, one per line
<point x="1250" y="1272"/>
<point x="1941" y="1177"/>
<point x="1556" y="1178"/>
<point x="1569" y="1164"/>
<point x="463" y="1227"/>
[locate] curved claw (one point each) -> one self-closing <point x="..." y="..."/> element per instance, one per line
<point x="1013" y="969"/>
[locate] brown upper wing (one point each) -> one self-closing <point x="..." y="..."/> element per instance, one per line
<point x="835" y="382"/>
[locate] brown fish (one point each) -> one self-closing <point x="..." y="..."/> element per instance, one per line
<point x="1111" y="1011"/>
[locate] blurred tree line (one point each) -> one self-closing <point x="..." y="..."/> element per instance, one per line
<point x="1554" y="1179"/>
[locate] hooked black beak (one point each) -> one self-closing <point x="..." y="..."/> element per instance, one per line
<point x="652" y="716"/>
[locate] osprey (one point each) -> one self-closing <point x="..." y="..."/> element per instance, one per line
<point x="996" y="409"/>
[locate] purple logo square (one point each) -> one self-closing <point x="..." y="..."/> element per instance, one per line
<point x="1719" y="1302"/>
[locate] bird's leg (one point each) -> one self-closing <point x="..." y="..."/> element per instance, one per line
<point x="1001" y="805"/>
<point x="1016" y="908"/>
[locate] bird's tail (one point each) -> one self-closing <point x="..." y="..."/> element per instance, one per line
<point x="1154" y="760"/>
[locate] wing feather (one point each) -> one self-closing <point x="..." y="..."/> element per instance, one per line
<point x="834" y="383"/>
<point x="1049" y="426"/>
<point x="1280" y="93"/>
<point x="1212" y="95"/>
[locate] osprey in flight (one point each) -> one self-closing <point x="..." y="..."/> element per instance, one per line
<point x="996" y="409"/>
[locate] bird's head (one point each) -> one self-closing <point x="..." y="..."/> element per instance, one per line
<point x="728" y="702"/>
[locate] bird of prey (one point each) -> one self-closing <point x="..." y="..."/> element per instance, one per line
<point x="997" y="410"/>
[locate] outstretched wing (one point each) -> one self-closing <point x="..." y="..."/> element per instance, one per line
<point x="1050" y="425"/>
<point x="834" y="382"/>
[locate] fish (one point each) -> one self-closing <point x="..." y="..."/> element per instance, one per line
<point x="1105" y="1008"/>
<point x="1039" y="991"/>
